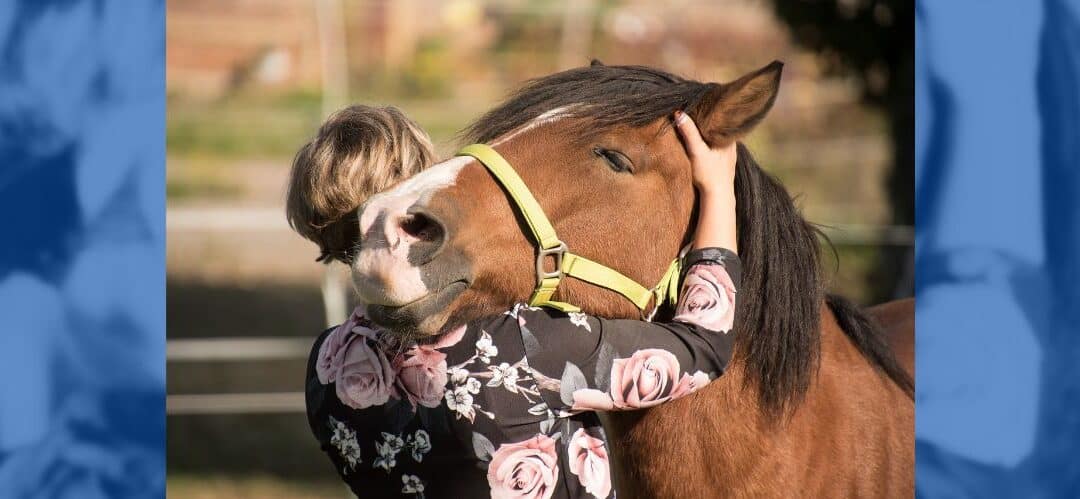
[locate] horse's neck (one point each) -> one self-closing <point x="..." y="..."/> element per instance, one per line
<point x="597" y="301"/>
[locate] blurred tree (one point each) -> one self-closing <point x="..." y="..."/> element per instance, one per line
<point x="874" y="41"/>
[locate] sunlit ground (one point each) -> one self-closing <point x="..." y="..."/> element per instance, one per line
<point x="181" y="486"/>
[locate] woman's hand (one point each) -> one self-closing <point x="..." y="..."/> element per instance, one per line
<point x="713" y="168"/>
<point x="714" y="178"/>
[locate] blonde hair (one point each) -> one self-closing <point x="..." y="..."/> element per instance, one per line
<point x="358" y="152"/>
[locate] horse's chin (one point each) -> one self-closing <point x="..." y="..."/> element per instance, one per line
<point x="420" y="318"/>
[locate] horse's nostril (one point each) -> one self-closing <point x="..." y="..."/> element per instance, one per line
<point x="424" y="233"/>
<point x="422" y="227"/>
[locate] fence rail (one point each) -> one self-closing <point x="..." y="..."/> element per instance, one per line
<point x="235" y="403"/>
<point x="236" y="349"/>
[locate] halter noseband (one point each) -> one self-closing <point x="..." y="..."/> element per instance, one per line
<point x="567" y="263"/>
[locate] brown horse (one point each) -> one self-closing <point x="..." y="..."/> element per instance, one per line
<point x="814" y="403"/>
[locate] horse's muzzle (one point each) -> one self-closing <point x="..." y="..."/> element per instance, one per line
<point x="406" y="271"/>
<point x="413" y="319"/>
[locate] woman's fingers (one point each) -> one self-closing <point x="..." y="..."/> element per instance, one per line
<point x="688" y="130"/>
<point x="711" y="168"/>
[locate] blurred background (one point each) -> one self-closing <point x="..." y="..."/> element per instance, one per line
<point x="248" y="81"/>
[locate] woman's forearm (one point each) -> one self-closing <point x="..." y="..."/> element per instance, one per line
<point x="714" y="179"/>
<point x="716" y="225"/>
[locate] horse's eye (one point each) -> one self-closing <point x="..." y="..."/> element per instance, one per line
<point x="615" y="159"/>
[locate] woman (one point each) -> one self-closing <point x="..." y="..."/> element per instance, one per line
<point x="505" y="405"/>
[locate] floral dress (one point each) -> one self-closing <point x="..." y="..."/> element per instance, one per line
<point x="505" y="406"/>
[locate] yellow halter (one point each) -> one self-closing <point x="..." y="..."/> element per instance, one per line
<point x="567" y="263"/>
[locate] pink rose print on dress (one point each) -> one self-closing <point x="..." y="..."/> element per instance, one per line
<point x="526" y="470"/>
<point x="708" y="298"/>
<point x="366" y="377"/>
<point x="421" y="375"/>
<point x="647" y="378"/>
<point x="332" y="351"/>
<point x="589" y="461"/>
<point x="328" y="362"/>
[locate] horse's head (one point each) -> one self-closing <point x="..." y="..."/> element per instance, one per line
<point x="596" y="148"/>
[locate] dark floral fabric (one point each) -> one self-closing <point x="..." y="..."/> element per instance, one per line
<point x="505" y="406"/>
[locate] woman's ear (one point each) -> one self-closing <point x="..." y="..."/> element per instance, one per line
<point x="728" y="111"/>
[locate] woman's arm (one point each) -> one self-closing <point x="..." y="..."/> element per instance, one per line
<point x="714" y="178"/>
<point x="598" y="364"/>
<point x="585" y="363"/>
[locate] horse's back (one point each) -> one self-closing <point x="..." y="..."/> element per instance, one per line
<point x="897" y="318"/>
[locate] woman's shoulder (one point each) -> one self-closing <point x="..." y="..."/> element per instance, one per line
<point x="314" y="390"/>
<point x="313" y="355"/>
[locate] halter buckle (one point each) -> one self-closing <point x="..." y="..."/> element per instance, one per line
<point x="557" y="253"/>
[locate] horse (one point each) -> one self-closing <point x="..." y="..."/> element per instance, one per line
<point x="814" y="403"/>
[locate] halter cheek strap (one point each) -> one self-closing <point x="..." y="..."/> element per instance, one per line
<point x="565" y="262"/>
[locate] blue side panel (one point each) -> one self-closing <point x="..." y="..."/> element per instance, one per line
<point x="82" y="278"/>
<point x="998" y="245"/>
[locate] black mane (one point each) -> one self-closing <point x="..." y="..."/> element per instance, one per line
<point x="778" y="316"/>
<point x="607" y="95"/>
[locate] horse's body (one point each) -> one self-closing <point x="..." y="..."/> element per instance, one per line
<point x="814" y="403"/>
<point x="836" y="443"/>
<point x="897" y="318"/>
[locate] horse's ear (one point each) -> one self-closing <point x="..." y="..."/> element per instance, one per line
<point x="729" y="111"/>
<point x="595" y="62"/>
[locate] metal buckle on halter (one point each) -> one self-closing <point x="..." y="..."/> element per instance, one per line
<point x="557" y="253"/>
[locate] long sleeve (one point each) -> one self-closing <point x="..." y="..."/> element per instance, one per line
<point x="588" y="363"/>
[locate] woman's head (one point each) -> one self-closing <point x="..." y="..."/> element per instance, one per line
<point x="358" y="152"/>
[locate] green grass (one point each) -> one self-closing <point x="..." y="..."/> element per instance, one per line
<point x="183" y="189"/>
<point x="193" y="486"/>
<point x="200" y="177"/>
<point x="206" y="137"/>
<point x="242" y="126"/>
<point x="274" y="126"/>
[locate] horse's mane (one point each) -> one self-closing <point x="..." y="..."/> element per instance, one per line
<point x="778" y="316"/>
<point x="606" y="95"/>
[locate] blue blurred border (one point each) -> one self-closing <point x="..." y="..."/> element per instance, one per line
<point x="998" y="245"/>
<point x="82" y="281"/>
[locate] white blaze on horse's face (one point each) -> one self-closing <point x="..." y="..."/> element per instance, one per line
<point x="396" y="236"/>
<point x="545" y="118"/>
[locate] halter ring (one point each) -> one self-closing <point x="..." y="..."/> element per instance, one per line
<point x="557" y="253"/>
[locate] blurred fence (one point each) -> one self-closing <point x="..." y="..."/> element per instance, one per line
<point x="235" y="350"/>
